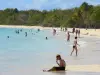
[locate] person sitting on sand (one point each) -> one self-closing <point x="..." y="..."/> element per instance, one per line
<point x="61" y="65"/>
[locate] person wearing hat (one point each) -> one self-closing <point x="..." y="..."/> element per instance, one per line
<point x="61" y="65"/>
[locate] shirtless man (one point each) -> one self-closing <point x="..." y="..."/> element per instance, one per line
<point x="75" y="46"/>
<point x="61" y="65"/>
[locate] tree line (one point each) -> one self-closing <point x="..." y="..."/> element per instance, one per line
<point x="85" y="16"/>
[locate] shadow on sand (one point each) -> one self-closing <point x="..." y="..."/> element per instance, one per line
<point x="60" y="73"/>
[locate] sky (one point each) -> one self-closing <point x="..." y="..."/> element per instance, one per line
<point x="44" y="4"/>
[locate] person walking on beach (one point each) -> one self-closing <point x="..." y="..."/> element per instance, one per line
<point x="73" y="30"/>
<point x="61" y="65"/>
<point x="76" y="32"/>
<point x="65" y="29"/>
<point x="79" y="33"/>
<point x="75" y="46"/>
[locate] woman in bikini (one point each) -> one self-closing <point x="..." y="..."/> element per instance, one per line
<point x="75" y="46"/>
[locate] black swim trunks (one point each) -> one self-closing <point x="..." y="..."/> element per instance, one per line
<point x="73" y="46"/>
<point x="60" y="68"/>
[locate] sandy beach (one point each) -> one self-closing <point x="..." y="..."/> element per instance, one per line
<point x="21" y="26"/>
<point x="88" y="60"/>
<point x="88" y="32"/>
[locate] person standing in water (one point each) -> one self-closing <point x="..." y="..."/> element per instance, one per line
<point x="54" y="32"/>
<point x="76" y="32"/>
<point x="61" y="65"/>
<point x="73" y="30"/>
<point x="65" y="29"/>
<point x="18" y="31"/>
<point x="79" y="33"/>
<point x="25" y="34"/>
<point x="7" y="36"/>
<point x="75" y="46"/>
<point x="68" y="36"/>
<point x="38" y="30"/>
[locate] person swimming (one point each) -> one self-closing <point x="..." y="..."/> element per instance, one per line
<point x="61" y="64"/>
<point x="46" y="38"/>
<point x="20" y="30"/>
<point x="7" y="36"/>
<point x="38" y="30"/>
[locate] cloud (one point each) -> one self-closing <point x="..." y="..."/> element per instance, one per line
<point x="44" y="4"/>
<point x="94" y="2"/>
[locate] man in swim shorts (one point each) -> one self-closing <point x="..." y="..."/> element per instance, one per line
<point x="61" y="64"/>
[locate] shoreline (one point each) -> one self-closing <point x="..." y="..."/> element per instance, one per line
<point x="78" y="65"/>
<point x="88" y="32"/>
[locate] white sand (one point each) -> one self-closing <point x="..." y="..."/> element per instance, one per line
<point x="84" y="68"/>
<point x="91" y="32"/>
<point x="21" y="26"/>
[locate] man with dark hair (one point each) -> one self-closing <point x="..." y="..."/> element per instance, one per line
<point x="61" y="65"/>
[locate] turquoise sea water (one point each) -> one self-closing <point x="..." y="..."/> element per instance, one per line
<point x="20" y="55"/>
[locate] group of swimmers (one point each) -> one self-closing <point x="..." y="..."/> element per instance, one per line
<point x="26" y="34"/>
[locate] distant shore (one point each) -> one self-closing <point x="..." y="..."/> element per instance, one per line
<point x="90" y="32"/>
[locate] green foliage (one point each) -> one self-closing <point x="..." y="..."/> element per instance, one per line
<point x="86" y="16"/>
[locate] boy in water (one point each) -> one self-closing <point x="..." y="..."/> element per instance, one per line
<point x="61" y="65"/>
<point x="75" y="46"/>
